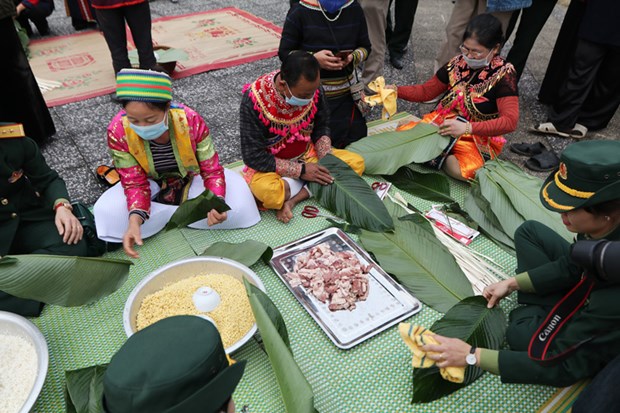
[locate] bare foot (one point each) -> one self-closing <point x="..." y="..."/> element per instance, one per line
<point x="285" y="214"/>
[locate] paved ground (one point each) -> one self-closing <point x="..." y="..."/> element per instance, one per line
<point x="79" y="145"/>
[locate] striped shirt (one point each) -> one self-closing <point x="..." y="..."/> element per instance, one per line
<point x="306" y="28"/>
<point x="163" y="157"/>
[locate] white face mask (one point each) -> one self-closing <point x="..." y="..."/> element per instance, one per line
<point x="477" y="63"/>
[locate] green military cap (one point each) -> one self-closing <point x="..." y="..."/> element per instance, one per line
<point x="588" y="174"/>
<point x="177" y="365"/>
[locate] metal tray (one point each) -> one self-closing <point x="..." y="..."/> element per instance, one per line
<point x="387" y="302"/>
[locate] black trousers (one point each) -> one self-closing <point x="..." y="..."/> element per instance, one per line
<point x="346" y="122"/>
<point x="532" y="21"/>
<point x="38" y="15"/>
<point x="591" y="93"/>
<point x="138" y="18"/>
<point x="397" y="35"/>
<point x="23" y="101"/>
<point x="563" y="52"/>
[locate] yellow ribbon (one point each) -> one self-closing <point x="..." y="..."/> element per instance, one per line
<point x="383" y="96"/>
<point x="417" y="336"/>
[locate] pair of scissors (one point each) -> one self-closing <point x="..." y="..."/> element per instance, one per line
<point x="310" y="211"/>
<point x="379" y="185"/>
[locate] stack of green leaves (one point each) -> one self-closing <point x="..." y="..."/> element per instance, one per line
<point x="502" y="197"/>
<point x="420" y="262"/>
<point x="385" y="152"/>
<point x="351" y="198"/>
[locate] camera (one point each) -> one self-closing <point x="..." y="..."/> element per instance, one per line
<point x="600" y="258"/>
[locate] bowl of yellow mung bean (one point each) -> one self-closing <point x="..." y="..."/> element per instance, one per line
<point x="168" y="291"/>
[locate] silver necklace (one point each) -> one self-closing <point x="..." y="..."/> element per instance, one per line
<point x="325" y="15"/>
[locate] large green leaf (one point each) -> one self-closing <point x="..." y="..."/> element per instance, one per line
<point x="64" y="281"/>
<point x="470" y="320"/>
<point x="523" y="191"/>
<point x="246" y="252"/>
<point x="422" y="264"/>
<point x="500" y="204"/>
<point x="431" y="186"/>
<point x="351" y="198"/>
<point x="296" y="391"/>
<point x="196" y="209"/>
<point x="84" y="389"/>
<point x="385" y="152"/>
<point x="485" y="225"/>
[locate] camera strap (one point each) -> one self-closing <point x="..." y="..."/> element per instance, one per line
<point x="559" y="315"/>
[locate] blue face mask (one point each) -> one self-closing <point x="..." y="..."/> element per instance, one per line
<point x="332" y="6"/>
<point x="295" y="101"/>
<point x="151" y="132"/>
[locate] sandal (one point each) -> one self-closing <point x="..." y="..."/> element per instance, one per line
<point x="108" y="175"/>
<point x="528" y="149"/>
<point x="578" y="131"/>
<point x="543" y="162"/>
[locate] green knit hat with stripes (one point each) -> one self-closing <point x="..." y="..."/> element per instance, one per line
<point x="143" y="86"/>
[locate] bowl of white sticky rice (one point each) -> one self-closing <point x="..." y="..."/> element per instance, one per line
<point x="23" y="363"/>
<point x="210" y="287"/>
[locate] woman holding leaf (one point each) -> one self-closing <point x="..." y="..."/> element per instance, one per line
<point x="568" y="328"/>
<point x="163" y="153"/>
<point x="481" y="101"/>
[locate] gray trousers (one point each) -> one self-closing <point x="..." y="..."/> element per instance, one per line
<point x="375" y="12"/>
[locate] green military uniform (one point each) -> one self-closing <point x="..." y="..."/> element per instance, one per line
<point x="589" y="174"/>
<point x="176" y="365"/>
<point x="29" y="189"/>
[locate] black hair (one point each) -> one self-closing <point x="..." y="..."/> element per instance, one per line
<point x="486" y="29"/>
<point x="299" y="64"/>
<point x="609" y="208"/>
<point x="161" y="106"/>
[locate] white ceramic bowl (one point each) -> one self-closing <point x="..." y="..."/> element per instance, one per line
<point x="17" y="325"/>
<point x="179" y="270"/>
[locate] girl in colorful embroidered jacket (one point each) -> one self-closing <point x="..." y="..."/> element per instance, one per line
<point x="481" y="90"/>
<point x="164" y="155"/>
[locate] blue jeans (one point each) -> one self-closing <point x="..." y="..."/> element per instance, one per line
<point x="603" y="394"/>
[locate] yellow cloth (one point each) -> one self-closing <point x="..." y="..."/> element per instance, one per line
<point x="268" y="187"/>
<point x="180" y="139"/>
<point x="417" y="336"/>
<point x="384" y="96"/>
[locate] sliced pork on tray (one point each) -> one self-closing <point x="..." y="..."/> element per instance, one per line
<point x="336" y="278"/>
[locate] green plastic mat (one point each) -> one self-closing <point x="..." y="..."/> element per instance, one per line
<point x="374" y="376"/>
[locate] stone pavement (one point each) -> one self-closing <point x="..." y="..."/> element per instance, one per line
<point x="80" y="143"/>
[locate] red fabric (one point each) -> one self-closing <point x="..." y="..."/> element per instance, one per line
<point x="113" y="4"/>
<point x="421" y="93"/>
<point x="508" y="109"/>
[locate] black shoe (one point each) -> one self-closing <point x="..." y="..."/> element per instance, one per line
<point x="398" y="62"/>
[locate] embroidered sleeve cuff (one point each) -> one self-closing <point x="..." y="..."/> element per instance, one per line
<point x="288" y="168"/>
<point x="323" y="146"/>
<point x="489" y="360"/>
<point x="525" y="283"/>
<point x="142" y="214"/>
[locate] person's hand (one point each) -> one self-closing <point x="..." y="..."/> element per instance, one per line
<point x="317" y="173"/>
<point x="328" y="61"/>
<point x="495" y="292"/>
<point x="214" y="217"/>
<point x="20" y="8"/>
<point x="68" y="226"/>
<point x="392" y="87"/>
<point x="132" y="236"/>
<point x="451" y="352"/>
<point x="452" y="127"/>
